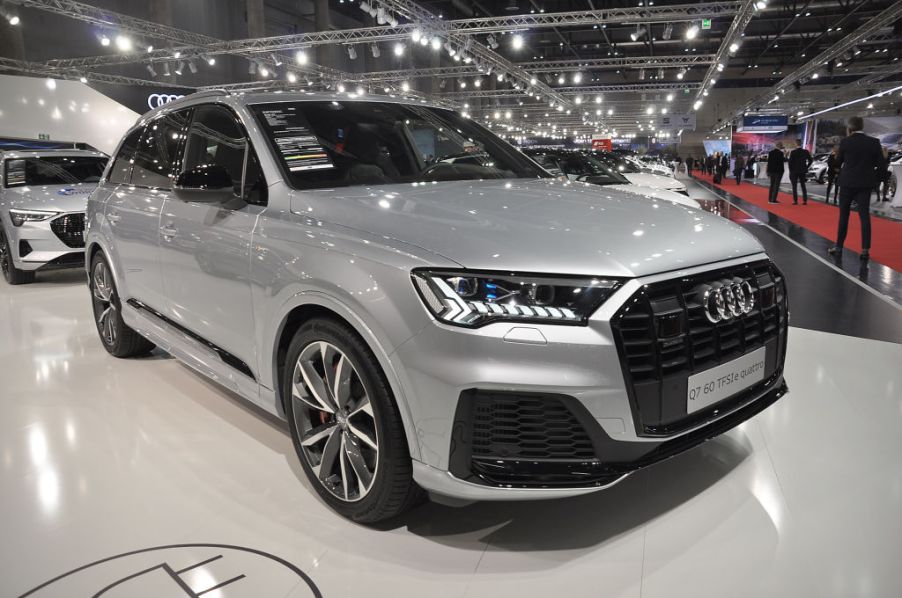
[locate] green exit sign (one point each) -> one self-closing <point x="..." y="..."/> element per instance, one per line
<point x="706" y="23"/>
<point x="44" y="136"/>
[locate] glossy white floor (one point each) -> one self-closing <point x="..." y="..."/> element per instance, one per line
<point x="100" y="457"/>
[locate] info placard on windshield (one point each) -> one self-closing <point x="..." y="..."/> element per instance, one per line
<point x="294" y="139"/>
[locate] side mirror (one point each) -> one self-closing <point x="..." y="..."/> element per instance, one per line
<point x="206" y="184"/>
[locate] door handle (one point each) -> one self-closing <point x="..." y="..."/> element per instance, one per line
<point x="168" y="232"/>
<point x="114" y="218"/>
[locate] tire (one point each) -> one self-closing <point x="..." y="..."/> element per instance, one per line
<point x="353" y="448"/>
<point x="117" y="338"/>
<point x="11" y="274"/>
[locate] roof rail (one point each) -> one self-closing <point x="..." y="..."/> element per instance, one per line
<point x="207" y="93"/>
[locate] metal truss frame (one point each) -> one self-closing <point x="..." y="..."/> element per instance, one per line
<point x="733" y="35"/>
<point x="870" y="31"/>
<point x="41" y="69"/>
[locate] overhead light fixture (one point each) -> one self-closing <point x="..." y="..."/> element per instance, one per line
<point x="577" y="77"/>
<point x="292" y="78"/>
<point x="405" y="86"/>
<point x="251" y="68"/>
<point x="341" y="88"/>
<point x="192" y="67"/>
<point x="720" y="67"/>
<point x="166" y="72"/>
<point x="104" y="40"/>
<point x="360" y="91"/>
<point x="641" y="74"/>
<point x="517" y="42"/>
<point x="660" y="73"/>
<point x="692" y="31"/>
<point x="151" y="70"/>
<point x="123" y="43"/>
<point x="211" y="60"/>
<point x="375" y="51"/>
<point x="681" y="74"/>
<point x="301" y="57"/>
<point x="149" y="49"/>
<point x="416" y="35"/>
<point x="176" y="54"/>
<point x="598" y="99"/>
<point x="864" y="99"/>
<point x="14" y="20"/>
<point x="734" y="47"/>
<point x="669" y="97"/>
<point x="761" y="4"/>
<point x="352" y="52"/>
<point x="697" y="105"/>
<point x="83" y="79"/>
<point x="179" y="67"/>
<point x="561" y="80"/>
<point x="264" y="72"/>
<point x="668" y="31"/>
<point x="638" y="34"/>
<point x="492" y="42"/>
<point x="436" y="44"/>
<point x="399" y="49"/>
<point x="477" y="83"/>
<point x="275" y="59"/>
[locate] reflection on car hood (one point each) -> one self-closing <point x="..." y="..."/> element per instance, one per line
<point x="533" y="225"/>
<point x="660" y="194"/>
<point x="655" y="181"/>
<point x="62" y="198"/>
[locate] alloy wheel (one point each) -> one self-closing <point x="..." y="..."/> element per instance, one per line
<point x="4" y="255"/>
<point x="105" y="306"/>
<point x="335" y="421"/>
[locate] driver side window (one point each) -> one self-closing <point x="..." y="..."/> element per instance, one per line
<point x="216" y="138"/>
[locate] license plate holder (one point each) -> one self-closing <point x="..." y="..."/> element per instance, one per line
<point x="725" y="380"/>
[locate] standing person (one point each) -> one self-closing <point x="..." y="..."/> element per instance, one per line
<point x="738" y="168"/>
<point x="775" y="169"/>
<point x="724" y="164"/>
<point x="799" y="162"/>
<point x="832" y="172"/>
<point x="885" y="176"/>
<point x="860" y="159"/>
<point x="689" y="165"/>
<point x="750" y="166"/>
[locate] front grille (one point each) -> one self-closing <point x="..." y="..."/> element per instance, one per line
<point x="70" y="229"/>
<point x="517" y="427"/>
<point x="525" y="440"/>
<point x="663" y="337"/>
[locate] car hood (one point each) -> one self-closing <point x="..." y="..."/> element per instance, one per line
<point x="534" y="225"/>
<point x="62" y="198"/>
<point x="660" y="194"/>
<point x="655" y="181"/>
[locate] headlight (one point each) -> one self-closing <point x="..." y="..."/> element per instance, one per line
<point x="472" y="299"/>
<point x="20" y="217"/>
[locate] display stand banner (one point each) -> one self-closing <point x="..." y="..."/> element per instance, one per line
<point x="142" y="98"/>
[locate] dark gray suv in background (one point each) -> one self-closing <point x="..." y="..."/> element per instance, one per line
<point x="427" y="307"/>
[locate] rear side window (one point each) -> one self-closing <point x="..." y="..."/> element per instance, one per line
<point x="216" y="138"/>
<point x="156" y="160"/>
<point x="122" y="165"/>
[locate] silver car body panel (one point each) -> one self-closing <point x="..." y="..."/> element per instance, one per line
<point x="351" y="250"/>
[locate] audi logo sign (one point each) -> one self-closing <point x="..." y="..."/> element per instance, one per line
<point x="155" y="100"/>
<point x="727" y="299"/>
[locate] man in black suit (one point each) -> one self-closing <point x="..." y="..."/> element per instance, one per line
<point x="860" y="160"/>
<point x="799" y="161"/>
<point x="775" y="159"/>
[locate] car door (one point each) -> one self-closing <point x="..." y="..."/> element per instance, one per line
<point x="133" y="216"/>
<point x="205" y="248"/>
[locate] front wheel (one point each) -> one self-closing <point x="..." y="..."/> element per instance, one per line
<point x="117" y="338"/>
<point x="345" y="425"/>
<point x="11" y="274"/>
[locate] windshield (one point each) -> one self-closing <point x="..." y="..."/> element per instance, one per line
<point x="335" y="144"/>
<point x="55" y="170"/>
<point x="578" y="166"/>
<point x="618" y="163"/>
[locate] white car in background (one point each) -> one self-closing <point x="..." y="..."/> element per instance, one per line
<point x="578" y="166"/>
<point x="636" y="177"/>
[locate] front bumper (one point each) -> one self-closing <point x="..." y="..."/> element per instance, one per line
<point x="444" y="371"/>
<point x="49" y="244"/>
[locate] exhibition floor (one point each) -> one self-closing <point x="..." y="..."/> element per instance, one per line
<point x="104" y="458"/>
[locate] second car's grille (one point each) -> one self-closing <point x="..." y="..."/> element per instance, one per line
<point x="70" y="229"/>
<point x="518" y="427"/>
<point x="664" y="337"/>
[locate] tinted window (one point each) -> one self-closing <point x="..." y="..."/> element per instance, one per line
<point x="56" y="170"/>
<point x="122" y="165"/>
<point x="156" y="159"/>
<point x="334" y="144"/>
<point x="215" y="137"/>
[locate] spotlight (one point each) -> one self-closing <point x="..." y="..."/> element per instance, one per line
<point x="668" y="31"/>
<point x="416" y="35"/>
<point x="561" y="80"/>
<point x="641" y="74"/>
<point x="104" y="40"/>
<point x="123" y="43"/>
<point x="517" y="42"/>
<point x="733" y="47"/>
<point x="720" y="67"/>
<point x="275" y="59"/>
<point x="375" y="51"/>
<point x="477" y="83"/>
<point x="192" y="67"/>
<point x="149" y="49"/>
<point x="492" y="42"/>
<point x="681" y="74"/>
<point x="436" y="44"/>
<point x="532" y="81"/>
<point x="14" y="20"/>
<point x="669" y="97"/>
<point x="399" y="49"/>
<point x="151" y="70"/>
<point x="211" y="61"/>
<point x="578" y="77"/>
<point x="179" y="67"/>
<point x="442" y="84"/>
<point x="463" y="84"/>
<point x="83" y="79"/>
<point x="405" y="86"/>
<point x="301" y="57"/>
<point x="166" y="72"/>
<point x="176" y="54"/>
<point x="638" y="34"/>
<point x="352" y="52"/>
<point x="360" y="91"/>
<point x="660" y="73"/>
<point x="251" y="68"/>
<point x="341" y="88"/>
<point x="292" y="78"/>
<point x="692" y="32"/>
<point x="264" y="72"/>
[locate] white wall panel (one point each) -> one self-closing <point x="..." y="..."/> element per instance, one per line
<point x="71" y="112"/>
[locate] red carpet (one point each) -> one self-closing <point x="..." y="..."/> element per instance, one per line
<point x="886" y="235"/>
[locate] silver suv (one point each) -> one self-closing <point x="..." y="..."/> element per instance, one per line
<point x="42" y="209"/>
<point x="428" y="308"/>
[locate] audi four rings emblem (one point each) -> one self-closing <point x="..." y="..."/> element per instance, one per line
<point x="155" y="100"/>
<point x="727" y="299"/>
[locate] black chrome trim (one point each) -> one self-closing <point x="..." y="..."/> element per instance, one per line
<point x="224" y="355"/>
